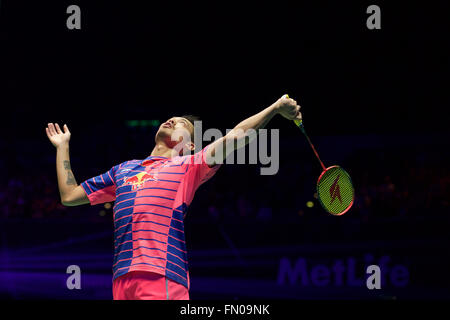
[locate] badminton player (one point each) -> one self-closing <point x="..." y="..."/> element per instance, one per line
<point x="151" y="199"/>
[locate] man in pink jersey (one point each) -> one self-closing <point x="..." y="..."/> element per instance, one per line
<point x="151" y="200"/>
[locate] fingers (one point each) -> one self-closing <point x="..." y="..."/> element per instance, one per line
<point x="295" y="114"/>
<point x="298" y="115"/>
<point x="289" y="100"/>
<point x="291" y="115"/>
<point x="292" y="102"/>
<point x="51" y="128"/>
<point x="58" y="130"/>
<point x="66" y="129"/>
<point x="296" y="108"/>
<point x="290" y="108"/>
<point x="48" y="133"/>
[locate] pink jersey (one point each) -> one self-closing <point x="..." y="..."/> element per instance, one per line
<point x="151" y="199"/>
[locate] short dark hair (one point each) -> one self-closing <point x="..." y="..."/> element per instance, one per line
<point x="191" y="118"/>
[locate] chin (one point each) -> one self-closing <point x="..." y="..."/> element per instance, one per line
<point x="164" y="132"/>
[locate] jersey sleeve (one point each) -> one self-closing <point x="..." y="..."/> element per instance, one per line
<point x="200" y="171"/>
<point x="102" y="188"/>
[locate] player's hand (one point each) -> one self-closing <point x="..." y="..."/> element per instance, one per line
<point x="288" y="108"/>
<point x="56" y="136"/>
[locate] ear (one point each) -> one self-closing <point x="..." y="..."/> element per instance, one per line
<point x="190" y="146"/>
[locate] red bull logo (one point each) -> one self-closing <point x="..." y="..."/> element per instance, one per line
<point x="137" y="181"/>
<point x="335" y="190"/>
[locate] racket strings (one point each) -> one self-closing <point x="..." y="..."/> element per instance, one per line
<point x="334" y="187"/>
<point x="335" y="190"/>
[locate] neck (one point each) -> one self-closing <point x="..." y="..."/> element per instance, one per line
<point x="161" y="150"/>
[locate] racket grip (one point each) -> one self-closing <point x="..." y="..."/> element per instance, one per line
<point x="298" y="122"/>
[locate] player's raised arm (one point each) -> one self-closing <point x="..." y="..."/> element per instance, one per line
<point x="71" y="193"/>
<point x="240" y="135"/>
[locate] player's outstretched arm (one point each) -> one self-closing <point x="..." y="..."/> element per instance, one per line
<point x="71" y="193"/>
<point x="240" y="135"/>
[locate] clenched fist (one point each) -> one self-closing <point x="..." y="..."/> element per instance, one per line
<point x="288" y="108"/>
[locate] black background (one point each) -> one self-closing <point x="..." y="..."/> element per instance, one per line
<point x="225" y="62"/>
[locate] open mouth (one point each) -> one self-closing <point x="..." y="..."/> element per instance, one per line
<point x="167" y="125"/>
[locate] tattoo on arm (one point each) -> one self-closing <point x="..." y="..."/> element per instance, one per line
<point x="70" y="179"/>
<point x="66" y="164"/>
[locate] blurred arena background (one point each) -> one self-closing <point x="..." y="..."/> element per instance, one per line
<point x="373" y="102"/>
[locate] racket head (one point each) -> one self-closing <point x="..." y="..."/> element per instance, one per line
<point x="335" y="190"/>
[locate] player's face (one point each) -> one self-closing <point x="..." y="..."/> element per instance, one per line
<point x="173" y="124"/>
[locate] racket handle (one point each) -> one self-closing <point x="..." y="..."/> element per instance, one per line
<point x="299" y="124"/>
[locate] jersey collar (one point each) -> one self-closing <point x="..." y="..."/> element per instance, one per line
<point x="149" y="160"/>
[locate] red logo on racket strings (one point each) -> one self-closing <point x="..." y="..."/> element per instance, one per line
<point x="335" y="191"/>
